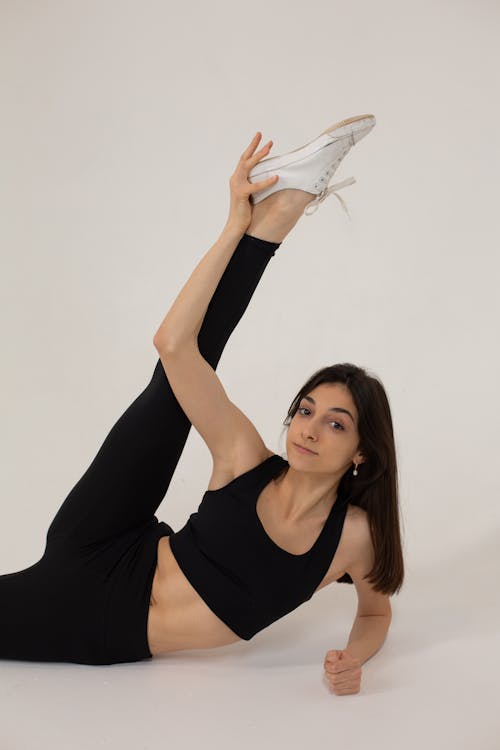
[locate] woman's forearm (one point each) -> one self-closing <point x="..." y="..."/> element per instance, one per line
<point x="184" y="319"/>
<point x="367" y="635"/>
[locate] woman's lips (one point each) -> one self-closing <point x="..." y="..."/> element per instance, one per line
<point x="304" y="450"/>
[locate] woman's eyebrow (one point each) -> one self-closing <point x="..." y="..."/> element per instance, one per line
<point x="332" y="408"/>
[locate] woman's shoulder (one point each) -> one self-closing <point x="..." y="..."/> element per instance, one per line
<point x="359" y="528"/>
<point x="357" y="534"/>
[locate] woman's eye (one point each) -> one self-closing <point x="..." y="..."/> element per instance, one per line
<point x="337" y="423"/>
<point x="339" y="426"/>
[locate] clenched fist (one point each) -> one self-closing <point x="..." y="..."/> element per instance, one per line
<point x="343" y="672"/>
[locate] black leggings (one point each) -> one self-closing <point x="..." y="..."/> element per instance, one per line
<point x="87" y="599"/>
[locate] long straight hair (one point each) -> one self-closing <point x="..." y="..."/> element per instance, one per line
<point x="375" y="488"/>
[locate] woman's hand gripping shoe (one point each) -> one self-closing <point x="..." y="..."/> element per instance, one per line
<point x="312" y="166"/>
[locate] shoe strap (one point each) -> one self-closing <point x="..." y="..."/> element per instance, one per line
<point x="329" y="191"/>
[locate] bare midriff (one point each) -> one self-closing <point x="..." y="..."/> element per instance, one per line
<point x="180" y="619"/>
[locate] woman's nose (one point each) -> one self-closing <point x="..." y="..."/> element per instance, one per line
<point x="309" y="433"/>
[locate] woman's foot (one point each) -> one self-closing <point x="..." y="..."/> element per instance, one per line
<point x="311" y="167"/>
<point x="276" y="215"/>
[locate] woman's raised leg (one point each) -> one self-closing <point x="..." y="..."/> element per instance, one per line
<point x="128" y="478"/>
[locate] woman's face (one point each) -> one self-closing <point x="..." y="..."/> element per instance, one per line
<point x="326" y="423"/>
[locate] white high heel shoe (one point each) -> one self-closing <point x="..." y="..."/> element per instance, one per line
<point x="312" y="166"/>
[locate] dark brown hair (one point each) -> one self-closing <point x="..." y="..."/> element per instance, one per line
<point x="375" y="488"/>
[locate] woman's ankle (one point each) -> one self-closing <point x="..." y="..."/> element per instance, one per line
<point x="275" y="216"/>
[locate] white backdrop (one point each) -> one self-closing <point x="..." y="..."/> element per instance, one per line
<point x="121" y="123"/>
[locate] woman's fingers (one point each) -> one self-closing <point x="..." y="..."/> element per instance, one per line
<point x="258" y="156"/>
<point x="250" y="163"/>
<point x="246" y="164"/>
<point x="247" y="153"/>
<point x="256" y="186"/>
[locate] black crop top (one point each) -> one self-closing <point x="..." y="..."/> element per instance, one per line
<point x="245" y="578"/>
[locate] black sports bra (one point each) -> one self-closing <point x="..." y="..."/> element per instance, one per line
<point x="245" y="578"/>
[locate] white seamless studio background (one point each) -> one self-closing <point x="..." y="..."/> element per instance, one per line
<point x="121" y="123"/>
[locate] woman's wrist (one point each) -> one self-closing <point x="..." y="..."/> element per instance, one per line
<point x="233" y="230"/>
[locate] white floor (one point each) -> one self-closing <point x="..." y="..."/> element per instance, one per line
<point x="434" y="684"/>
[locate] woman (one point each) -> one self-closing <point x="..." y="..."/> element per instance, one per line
<point x="115" y="584"/>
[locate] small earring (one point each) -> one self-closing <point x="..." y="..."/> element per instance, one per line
<point x="355" y="472"/>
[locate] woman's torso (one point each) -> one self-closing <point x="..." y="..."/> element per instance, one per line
<point x="178" y="616"/>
